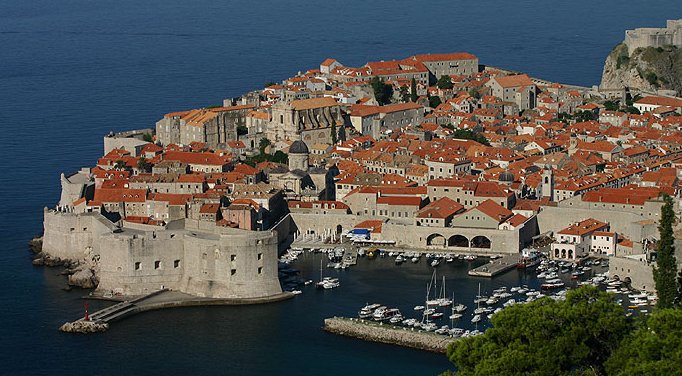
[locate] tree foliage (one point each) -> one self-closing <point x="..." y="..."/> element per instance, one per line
<point x="404" y="94"/>
<point x="120" y="165"/>
<point x="584" y="116"/>
<point x="546" y="337"/>
<point x="444" y="82"/>
<point x="434" y="101"/>
<point x="242" y="130"/>
<point x="263" y="143"/>
<point x="333" y="133"/>
<point x="611" y="106"/>
<point x="147" y="137"/>
<point x="278" y="157"/>
<point x="468" y="134"/>
<point x="665" y="270"/>
<point x="143" y="165"/>
<point x="382" y="91"/>
<point x="655" y="348"/>
<point x="413" y="90"/>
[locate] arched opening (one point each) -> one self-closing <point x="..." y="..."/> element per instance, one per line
<point x="339" y="229"/>
<point x="458" y="241"/>
<point x="627" y="281"/>
<point x="556" y="253"/>
<point x="570" y="253"/>
<point x="616" y="277"/>
<point x="563" y="253"/>
<point x="480" y="242"/>
<point x="435" y="239"/>
<point x="546" y="180"/>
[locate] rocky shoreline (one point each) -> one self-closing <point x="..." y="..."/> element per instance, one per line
<point x="82" y="326"/>
<point x="79" y="272"/>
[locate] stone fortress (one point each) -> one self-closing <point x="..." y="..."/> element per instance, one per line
<point x="189" y="255"/>
<point x="671" y="35"/>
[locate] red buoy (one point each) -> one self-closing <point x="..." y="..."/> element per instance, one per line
<point x="87" y="317"/>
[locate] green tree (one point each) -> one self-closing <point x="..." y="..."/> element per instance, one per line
<point x="655" y="348"/>
<point x="242" y="130"/>
<point x="413" y="90"/>
<point x="269" y="83"/>
<point x="147" y="137"/>
<point x="143" y="165"/>
<point x="444" y="82"/>
<point x="382" y="91"/>
<point x="264" y="143"/>
<point x="468" y="134"/>
<point x="333" y="132"/>
<point x="632" y="110"/>
<point x="474" y="93"/>
<point x="404" y="94"/>
<point x="120" y="165"/>
<point x="434" y="101"/>
<point x="611" y="106"/>
<point x="665" y="269"/>
<point x="584" y="116"/>
<point x="546" y="337"/>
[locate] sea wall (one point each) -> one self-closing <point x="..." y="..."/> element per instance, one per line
<point x="71" y="236"/>
<point x="401" y="336"/>
<point x="195" y="257"/>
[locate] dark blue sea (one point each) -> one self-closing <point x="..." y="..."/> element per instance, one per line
<point x="72" y="70"/>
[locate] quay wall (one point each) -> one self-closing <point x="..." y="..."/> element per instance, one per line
<point x="421" y="237"/>
<point x="371" y="331"/>
<point x="639" y="272"/>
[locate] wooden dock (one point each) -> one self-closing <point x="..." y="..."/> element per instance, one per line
<point x="496" y="267"/>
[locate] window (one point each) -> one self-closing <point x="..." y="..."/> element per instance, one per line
<point x="233" y="258"/>
<point x="157" y="264"/>
<point x="233" y="271"/>
<point x="260" y="270"/>
<point x="176" y="264"/>
<point x="260" y="256"/>
<point x="138" y="266"/>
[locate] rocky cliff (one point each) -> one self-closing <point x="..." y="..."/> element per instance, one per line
<point x="648" y="69"/>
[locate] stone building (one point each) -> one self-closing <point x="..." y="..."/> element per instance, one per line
<point x="213" y="126"/>
<point x="308" y="119"/>
<point x="518" y="89"/>
<point x="671" y="35"/>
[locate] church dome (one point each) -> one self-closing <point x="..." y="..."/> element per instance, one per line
<point x="506" y="177"/>
<point x="298" y="147"/>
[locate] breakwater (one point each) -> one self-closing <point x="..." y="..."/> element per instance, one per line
<point x="99" y="321"/>
<point x="383" y="333"/>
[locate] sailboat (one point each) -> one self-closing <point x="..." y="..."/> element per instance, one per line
<point x="477" y="316"/>
<point x="455" y="315"/>
<point x="327" y="282"/>
<point x="444" y="301"/>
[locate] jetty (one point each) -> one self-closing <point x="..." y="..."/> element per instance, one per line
<point x="496" y="267"/>
<point x="99" y="321"/>
<point x="386" y="333"/>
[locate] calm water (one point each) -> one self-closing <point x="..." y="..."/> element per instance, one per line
<point x="72" y="70"/>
